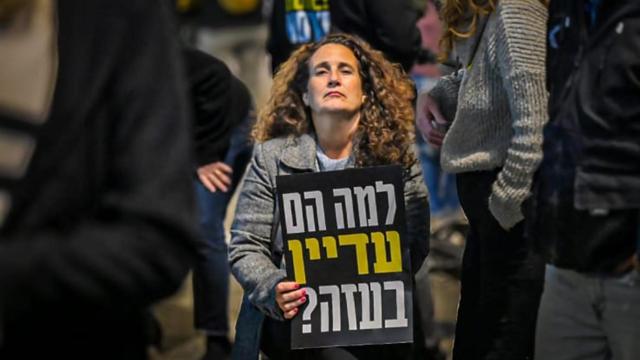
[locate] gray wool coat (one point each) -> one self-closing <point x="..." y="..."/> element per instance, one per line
<point x="255" y="252"/>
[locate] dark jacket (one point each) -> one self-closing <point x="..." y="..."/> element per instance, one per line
<point x="592" y="141"/>
<point x="219" y="101"/>
<point x="102" y="224"/>
<point x="389" y="26"/>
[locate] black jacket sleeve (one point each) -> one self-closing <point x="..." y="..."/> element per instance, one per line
<point x="210" y="88"/>
<point x="133" y="244"/>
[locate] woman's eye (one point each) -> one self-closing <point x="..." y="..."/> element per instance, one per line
<point x="321" y="72"/>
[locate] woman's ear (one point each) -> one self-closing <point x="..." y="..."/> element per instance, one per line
<point x="305" y="99"/>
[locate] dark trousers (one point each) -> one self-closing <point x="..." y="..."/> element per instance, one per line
<point x="502" y="280"/>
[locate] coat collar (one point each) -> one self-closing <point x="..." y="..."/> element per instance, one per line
<point x="300" y="152"/>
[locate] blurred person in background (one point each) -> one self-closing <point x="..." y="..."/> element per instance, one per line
<point x="443" y="199"/>
<point x="223" y="115"/>
<point x="389" y="26"/>
<point x="442" y="188"/>
<point x="233" y="31"/>
<point x="96" y="203"/>
<point x="488" y="116"/>
<point x="585" y="211"/>
<point x="305" y="130"/>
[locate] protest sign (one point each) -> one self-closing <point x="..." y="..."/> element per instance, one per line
<point x="344" y="235"/>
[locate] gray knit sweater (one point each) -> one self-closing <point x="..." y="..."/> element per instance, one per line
<point x="498" y="104"/>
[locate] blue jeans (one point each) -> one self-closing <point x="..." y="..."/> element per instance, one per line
<point x="443" y="196"/>
<point x="588" y="317"/>
<point x="211" y="271"/>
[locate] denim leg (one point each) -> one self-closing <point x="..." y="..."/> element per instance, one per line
<point x="569" y="318"/>
<point x="211" y="271"/>
<point x="450" y="201"/>
<point x="443" y="196"/>
<point x="430" y="162"/>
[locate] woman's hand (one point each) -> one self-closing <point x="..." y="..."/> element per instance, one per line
<point x="215" y="176"/>
<point x="430" y="121"/>
<point x="289" y="297"/>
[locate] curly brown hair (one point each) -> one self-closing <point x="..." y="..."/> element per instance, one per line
<point x="385" y="131"/>
<point x="457" y="25"/>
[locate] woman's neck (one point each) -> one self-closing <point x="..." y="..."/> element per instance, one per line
<point x="335" y="133"/>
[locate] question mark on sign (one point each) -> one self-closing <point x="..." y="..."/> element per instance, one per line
<point x="311" y="306"/>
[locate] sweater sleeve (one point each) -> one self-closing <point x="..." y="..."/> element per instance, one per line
<point x="250" y="248"/>
<point x="521" y="53"/>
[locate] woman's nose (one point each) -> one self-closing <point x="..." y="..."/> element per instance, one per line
<point x="334" y="79"/>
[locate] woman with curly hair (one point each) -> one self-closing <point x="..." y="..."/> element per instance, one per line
<point x="488" y="116"/>
<point x="335" y="104"/>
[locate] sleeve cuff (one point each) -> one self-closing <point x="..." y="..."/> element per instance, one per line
<point x="507" y="213"/>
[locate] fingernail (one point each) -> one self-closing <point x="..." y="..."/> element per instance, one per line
<point x="296" y="286"/>
<point x="303" y="299"/>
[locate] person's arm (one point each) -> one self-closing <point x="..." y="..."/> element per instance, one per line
<point x="137" y="244"/>
<point x="394" y="23"/>
<point x="209" y="85"/>
<point x="417" y="214"/>
<point x="521" y="60"/>
<point x="436" y="109"/>
<point x="250" y="247"/>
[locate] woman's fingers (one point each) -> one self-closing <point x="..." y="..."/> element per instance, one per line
<point x="205" y="181"/>
<point x="224" y="168"/>
<point x="292" y="308"/>
<point x="294" y="295"/>
<point x="435" y="138"/>
<point x="286" y="286"/>
<point x="428" y="112"/>
<point x="290" y="314"/>
<point x="289" y="297"/>
<point x="218" y="183"/>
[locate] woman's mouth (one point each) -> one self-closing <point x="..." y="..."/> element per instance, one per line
<point x="334" y="94"/>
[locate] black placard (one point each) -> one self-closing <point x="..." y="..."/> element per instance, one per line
<point x="344" y="236"/>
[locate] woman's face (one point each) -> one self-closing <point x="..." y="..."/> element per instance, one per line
<point x="334" y="83"/>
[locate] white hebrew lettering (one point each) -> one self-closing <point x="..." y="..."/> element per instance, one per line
<point x="368" y="193"/>
<point x="334" y="291"/>
<point x="311" y="305"/>
<point x="391" y="196"/>
<point x="348" y="206"/>
<point x="401" y="318"/>
<point x="293" y="204"/>
<point x="367" y="322"/>
<point x="348" y="290"/>
<point x="319" y="206"/>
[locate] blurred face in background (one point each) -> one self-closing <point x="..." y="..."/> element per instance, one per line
<point x="335" y="85"/>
